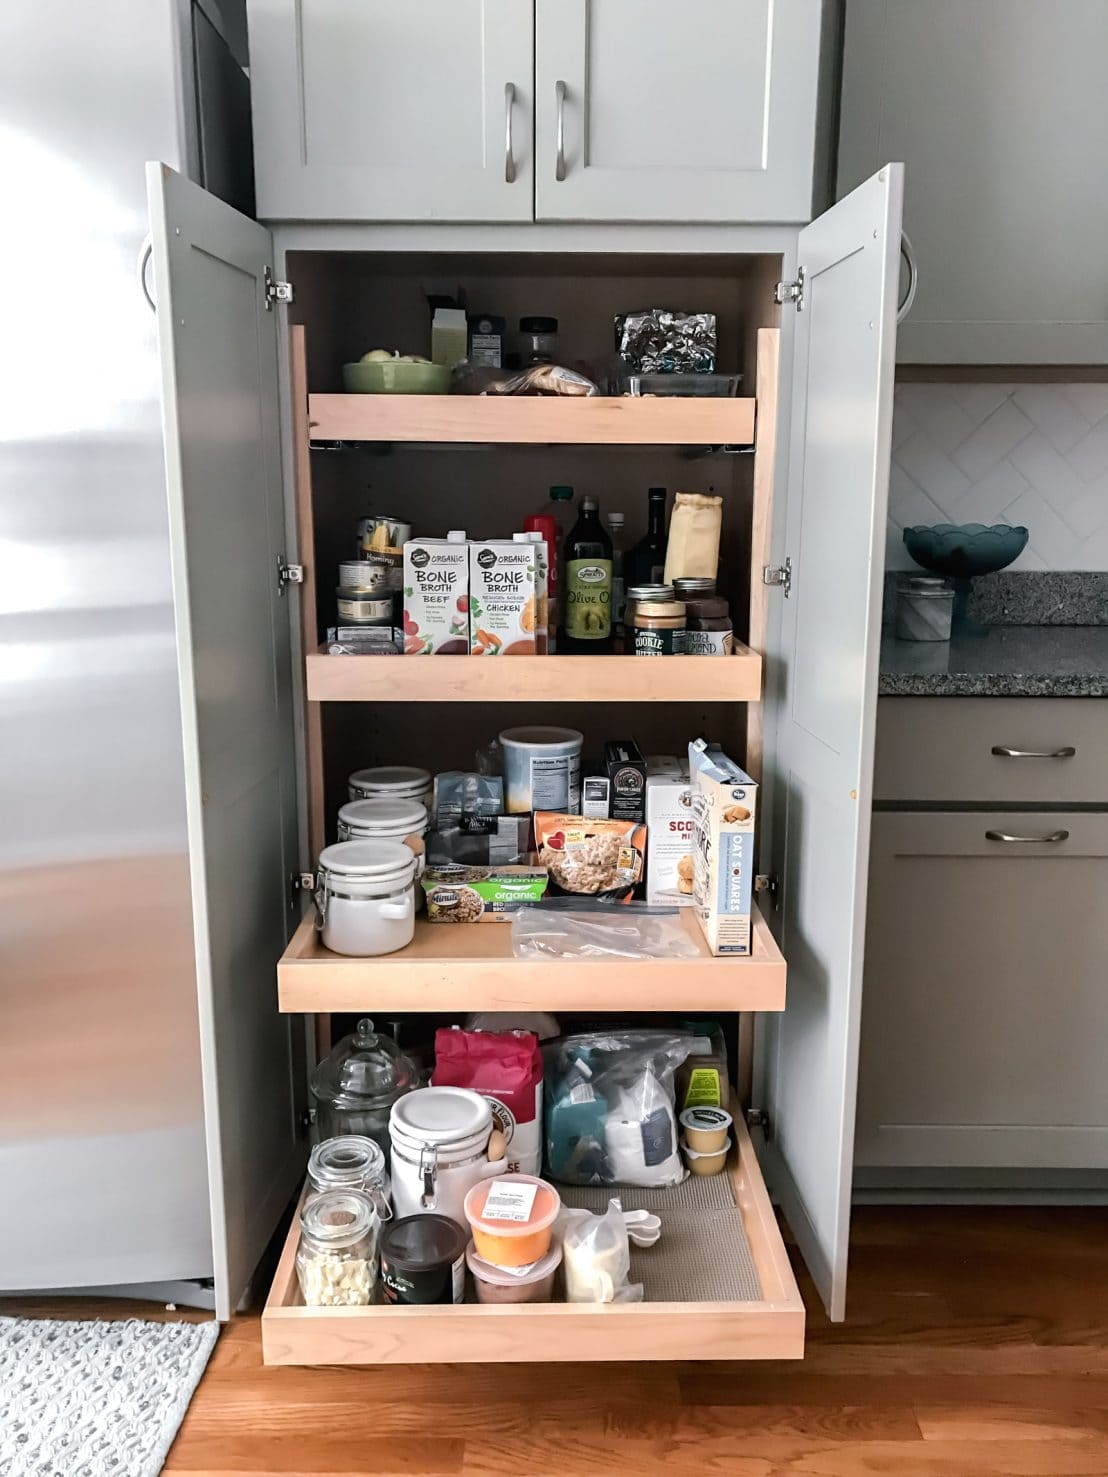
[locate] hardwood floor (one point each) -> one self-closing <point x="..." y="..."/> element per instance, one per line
<point x="977" y="1343"/>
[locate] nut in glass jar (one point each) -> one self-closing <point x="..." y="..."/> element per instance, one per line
<point x="336" y="1261"/>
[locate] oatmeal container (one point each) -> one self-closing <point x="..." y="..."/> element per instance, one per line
<point x="542" y="768"/>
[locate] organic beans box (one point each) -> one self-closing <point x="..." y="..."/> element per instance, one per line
<point x="723" y="804"/>
<point x="502" y="598"/>
<point x="436" y="597"/>
<point x="670" y="841"/>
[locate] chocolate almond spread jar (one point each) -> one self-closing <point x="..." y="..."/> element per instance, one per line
<point x="659" y="628"/>
<point x="708" y="626"/>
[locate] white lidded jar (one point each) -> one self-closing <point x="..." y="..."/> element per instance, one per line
<point x="391" y="782"/>
<point x="365" y="897"/>
<point x="388" y="820"/>
<point x="440" y="1142"/>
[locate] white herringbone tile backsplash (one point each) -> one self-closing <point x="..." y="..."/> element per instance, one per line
<point x="1035" y="454"/>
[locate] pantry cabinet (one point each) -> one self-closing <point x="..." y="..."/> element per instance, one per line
<point x="822" y="369"/>
<point x="548" y="110"/>
<point x="369" y="110"/>
<point x="1000" y="112"/>
<point x="981" y="1049"/>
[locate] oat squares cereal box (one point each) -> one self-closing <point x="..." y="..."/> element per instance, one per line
<point x="723" y="803"/>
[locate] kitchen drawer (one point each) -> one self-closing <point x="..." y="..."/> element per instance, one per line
<point x="767" y="1324"/>
<point x="984" y="1012"/>
<point x="943" y="749"/>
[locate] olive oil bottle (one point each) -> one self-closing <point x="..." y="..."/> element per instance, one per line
<point x="587" y="562"/>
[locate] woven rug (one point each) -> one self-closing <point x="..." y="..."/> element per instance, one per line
<point x="95" y="1399"/>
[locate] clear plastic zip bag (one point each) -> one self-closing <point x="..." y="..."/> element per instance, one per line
<point x="630" y="931"/>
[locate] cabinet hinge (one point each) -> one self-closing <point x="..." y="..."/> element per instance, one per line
<point x="758" y="1118"/>
<point x="792" y="292"/>
<point x="300" y="882"/>
<point x="780" y="574"/>
<point x="276" y="292"/>
<point x="288" y="574"/>
<point x="766" y="882"/>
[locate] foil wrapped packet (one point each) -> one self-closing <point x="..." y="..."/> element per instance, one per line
<point x="659" y="341"/>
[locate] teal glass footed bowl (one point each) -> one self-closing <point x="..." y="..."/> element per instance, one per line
<point x="962" y="550"/>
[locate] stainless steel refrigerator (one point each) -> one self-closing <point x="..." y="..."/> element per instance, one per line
<point x="125" y="1090"/>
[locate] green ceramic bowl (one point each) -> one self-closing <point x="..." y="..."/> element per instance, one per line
<point x="391" y="377"/>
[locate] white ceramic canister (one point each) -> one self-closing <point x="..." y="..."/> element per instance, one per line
<point x="391" y="782"/>
<point x="365" y="897"/>
<point x="440" y="1140"/>
<point x="389" y="820"/>
<point x="542" y="769"/>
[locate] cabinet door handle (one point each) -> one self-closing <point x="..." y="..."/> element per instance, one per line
<point x="908" y="253"/>
<point x="1053" y="837"/>
<point x="1002" y="751"/>
<point x="560" y="131"/>
<point x="509" y="157"/>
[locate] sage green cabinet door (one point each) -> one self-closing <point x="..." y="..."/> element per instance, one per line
<point x="985" y="1005"/>
<point x="366" y="110"/>
<point x="646" y="110"/>
<point x="999" y="110"/>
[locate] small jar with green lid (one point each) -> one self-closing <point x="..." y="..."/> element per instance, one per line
<point x="659" y="628"/>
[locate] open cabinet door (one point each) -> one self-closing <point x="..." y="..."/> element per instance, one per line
<point x="218" y="340"/>
<point x="824" y="700"/>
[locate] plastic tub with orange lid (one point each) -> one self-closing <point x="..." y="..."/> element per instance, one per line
<point x="512" y="1218"/>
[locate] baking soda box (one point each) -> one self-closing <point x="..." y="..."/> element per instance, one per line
<point x="723" y="804"/>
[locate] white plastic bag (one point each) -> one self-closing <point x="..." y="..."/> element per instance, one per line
<point x="596" y="1257"/>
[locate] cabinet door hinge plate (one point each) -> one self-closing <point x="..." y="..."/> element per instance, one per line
<point x="758" y="1118"/>
<point x="288" y="574"/>
<point x="781" y="574"/>
<point x="792" y="292"/>
<point x="276" y="292"/>
<point x="766" y="882"/>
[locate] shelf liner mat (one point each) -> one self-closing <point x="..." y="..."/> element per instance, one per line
<point x="703" y="1255"/>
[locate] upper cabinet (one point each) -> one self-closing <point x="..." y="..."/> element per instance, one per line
<point x="648" y="110"/>
<point x="999" y="109"/>
<point x="369" y="110"/>
<point x="521" y="110"/>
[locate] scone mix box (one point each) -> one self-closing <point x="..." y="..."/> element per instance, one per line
<point x="670" y="842"/>
<point x="503" y="601"/>
<point x="723" y="805"/>
<point x="436" y="596"/>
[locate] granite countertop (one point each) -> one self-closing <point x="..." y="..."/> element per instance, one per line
<point x="1010" y="661"/>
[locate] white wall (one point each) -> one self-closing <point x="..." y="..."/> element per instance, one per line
<point x="1035" y="454"/>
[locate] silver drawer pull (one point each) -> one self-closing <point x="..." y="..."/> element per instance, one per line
<point x="1002" y="751"/>
<point x="1053" y="837"/>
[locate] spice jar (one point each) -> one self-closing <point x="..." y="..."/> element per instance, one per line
<point x="336" y="1261"/>
<point x="708" y="630"/>
<point x="352" y="1162"/>
<point x="659" y="627"/>
<point x="540" y="340"/>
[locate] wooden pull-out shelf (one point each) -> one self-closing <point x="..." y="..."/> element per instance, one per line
<point x="535" y="679"/>
<point x="470" y="966"/>
<point x="770" y="1326"/>
<point x="544" y="420"/>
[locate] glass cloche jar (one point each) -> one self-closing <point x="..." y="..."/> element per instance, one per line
<point x="355" y="1086"/>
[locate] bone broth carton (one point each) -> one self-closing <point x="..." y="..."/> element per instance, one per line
<point x="503" y="614"/>
<point x="723" y="804"/>
<point x="670" y="833"/>
<point x="436" y="596"/>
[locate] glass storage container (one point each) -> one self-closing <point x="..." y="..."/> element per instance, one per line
<point x="336" y="1261"/>
<point x="352" y="1162"/>
<point x="355" y="1087"/>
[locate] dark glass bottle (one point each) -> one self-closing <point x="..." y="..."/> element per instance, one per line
<point x="646" y="562"/>
<point x="587" y="566"/>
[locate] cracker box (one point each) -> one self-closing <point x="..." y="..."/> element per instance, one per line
<point x="670" y="828"/>
<point x="436" y="597"/>
<point x="723" y="803"/>
<point x="503" y="613"/>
